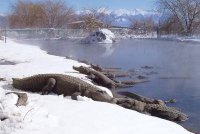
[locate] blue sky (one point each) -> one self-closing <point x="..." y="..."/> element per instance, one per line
<point x="80" y="4"/>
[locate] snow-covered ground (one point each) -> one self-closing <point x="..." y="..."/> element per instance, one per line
<point x="54" y="114"/>
<point x="152" y="35"/>
<point x="194" y="38"/>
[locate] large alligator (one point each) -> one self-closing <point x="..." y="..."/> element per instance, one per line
<point x="61" y="84"/>
<point x="72" y="86"/>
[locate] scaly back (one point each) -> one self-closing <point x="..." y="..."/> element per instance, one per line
<point x="34" y="83"/>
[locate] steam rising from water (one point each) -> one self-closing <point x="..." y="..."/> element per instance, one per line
<point x="176" y="64"/>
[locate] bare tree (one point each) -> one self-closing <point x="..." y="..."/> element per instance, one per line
<point x="104" y="17"/>
<point x="149" y="24"/>
<point x="141" y="26"/>
<point x="49" y="14"/>
<point x="187" y="13"/>
<point x="137" y="26"/>
<point x="92" y="20"/>
<point x="57" y="14"/>
<point x="170" y="26"/>
<point x="25" y="14"/>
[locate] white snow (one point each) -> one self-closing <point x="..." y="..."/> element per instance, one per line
<point x="129" y="34"/>
<point x="121" y="12"/>
<point x="194" y="38"/>
<point x="52" y="114"/>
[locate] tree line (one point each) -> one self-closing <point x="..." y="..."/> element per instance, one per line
<point x="52" y="14"/>
<point x="181" y="16"/>
<point x="46" y="14"/>
<point x="178" y="17"/>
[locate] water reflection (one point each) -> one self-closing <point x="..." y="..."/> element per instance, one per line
<point x="109" y="49"/>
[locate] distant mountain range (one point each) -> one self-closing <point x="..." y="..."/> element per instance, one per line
<point x="123" y="17"/>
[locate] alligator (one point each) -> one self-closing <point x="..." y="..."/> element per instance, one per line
<point x="100" y="78"/>
<point x="72" y="86"/>
<point x="61" y="84"/>
<point x="158" y="110"/>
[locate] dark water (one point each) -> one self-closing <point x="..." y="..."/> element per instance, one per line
<point x="177" y="61"/>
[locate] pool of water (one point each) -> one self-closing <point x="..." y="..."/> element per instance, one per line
<point x="175" y="73"/>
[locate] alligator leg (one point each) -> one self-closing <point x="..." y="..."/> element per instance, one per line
<point x="74" y="95"/>
<point x="49" y="86"/>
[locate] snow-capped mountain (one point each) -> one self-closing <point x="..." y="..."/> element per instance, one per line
<point x="123" y="17"/>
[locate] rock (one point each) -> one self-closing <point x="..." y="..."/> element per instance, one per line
<point x="2" y="79"/>
<point x="100" y="36"/>
<point x="22" y="98"/>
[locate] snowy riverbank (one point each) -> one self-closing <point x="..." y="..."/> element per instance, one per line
<point x="54" y="114"/>
<point x="194" y="38"/>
